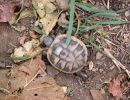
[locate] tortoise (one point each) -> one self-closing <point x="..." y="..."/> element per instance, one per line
<point x="69" y="58"/>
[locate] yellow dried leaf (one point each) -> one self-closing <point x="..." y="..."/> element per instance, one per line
<point x="23" y="79"/>
<point x="41" y="13"/>
<point x="50" y="7"/>
<point x="19" y="52"/>
<point x="30" y="48"/>
<point x="30" y="45"/>
<point x="46" y="9"/>
<point x="48" y="23"/>
<point x="25" y="13"/>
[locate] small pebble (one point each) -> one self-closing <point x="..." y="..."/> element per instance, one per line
<point x="99" y="55"/>
<point x="104" y="72"/>
<point x="99" y="62"/>
<point x="127" y="13"/>
<point x="64" y="89"/>
<point x="83" y="76"/>
<point x="2" y="65"/>
<point x="63" y="4"/>
<point x="100" y="70"/>
<point x="91" y="65"/>
<point x="23" y="28"/>
<point x="94" y="69"/>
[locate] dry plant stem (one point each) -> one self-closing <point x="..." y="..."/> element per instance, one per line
<point x="39" y="52"/>
<point x="5" y="91"/>
<point x="123" y="56"/>
<point x="31" y="79"/>
<point x="116" y="62"/>
<point x="78" y="25"/>
<point x="91" y="1"/>
<point x="41" y="87"/>
<point x="108" y="41"/>
<point x="104" y="3"/>
<point x="108" y="4"/>
<point x="121" y="31"/>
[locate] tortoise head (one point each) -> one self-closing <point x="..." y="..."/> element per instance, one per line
<point x="47" y="40"/>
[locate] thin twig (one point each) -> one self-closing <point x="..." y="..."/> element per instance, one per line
<point x="115" y="61"/>
<point x="41" y="87"/>
<point x="78" y="25"/>
<point x="5" y="91"/>
<point x="108" y="4"/>
<point x="31" y="79"/>
<point x="104" y="3"/>
<point x="108" y="41"/>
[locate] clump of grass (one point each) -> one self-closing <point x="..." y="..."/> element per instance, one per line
<point x="87" y="23"/>
<point x="109" y="17"/>
<point x="113" y="16"/>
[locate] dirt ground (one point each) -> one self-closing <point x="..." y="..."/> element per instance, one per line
<point x="79" y="86"/>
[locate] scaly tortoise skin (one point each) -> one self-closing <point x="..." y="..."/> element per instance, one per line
<point x="67" y="58"/>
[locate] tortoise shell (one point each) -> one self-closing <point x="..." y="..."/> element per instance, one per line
<point x="69" y="58"/>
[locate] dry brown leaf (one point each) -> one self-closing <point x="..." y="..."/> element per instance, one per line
<point x="3" y="83"/>
<point x="41" y="88"/>
<point x="33" y="35"/>
<point x="114" y="88"/>
<point x="24" y="69"/>
<point x="21" y="78"/>
<point x="22" y="39"/>
<point x="96" y="95"/>
<point x="44" y="88"/>
<point x="7" y="11"/>
<point x="27" y="3"/>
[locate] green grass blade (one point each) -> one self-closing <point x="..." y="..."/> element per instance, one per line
<point x="37" y="30"/>
<point x="88" y="28"/>
<point x="71" y="20"/>
<point x="87" y="7"/>
<point x="110" y="22"/>
<point x="123" y="10"/>
<point x="21" y="58"/>
<point x="105" y="14"/>
<point x="92" y="9"/>
<point x="94" y="45"/>
<point x="67" y="26"/>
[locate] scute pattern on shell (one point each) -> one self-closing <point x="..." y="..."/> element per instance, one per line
<point x="67" y="58"/>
